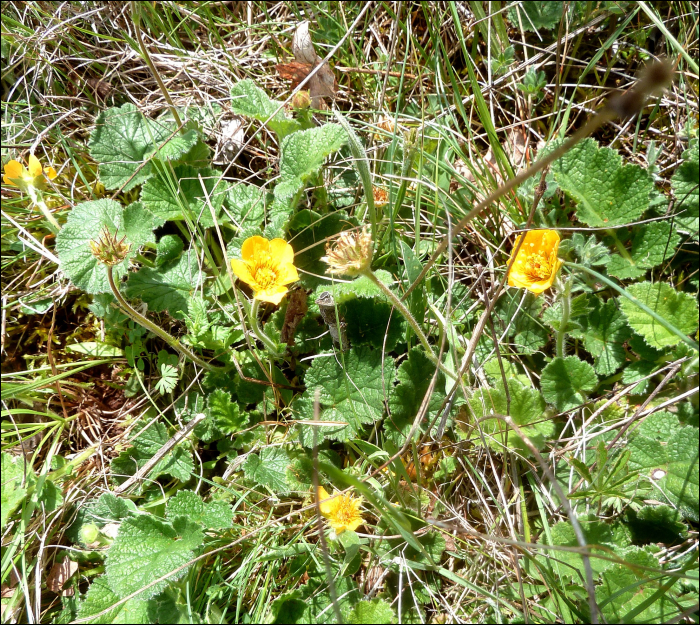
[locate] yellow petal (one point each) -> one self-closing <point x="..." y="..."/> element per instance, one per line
<point x="273" y="294"/>
<point x="327" y="506"/>
<point x="50" y="172"/>
<point x="281" y="251"/>
<point x="287" y="274"/>
<point x="242" y="271"/>
<point x="254" y="245"/>
<point x="34" y="166"/>
<point x="12" y="169"/>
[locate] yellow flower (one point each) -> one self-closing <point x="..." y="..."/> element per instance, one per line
<point x="17" y="175"/>
<point x="536" y="264"/>
<point x="342" y="511"/>
<point x="351" y="254"/>
<point x="267" y="267"/>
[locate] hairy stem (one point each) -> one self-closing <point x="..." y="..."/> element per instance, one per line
<point x="255" y="325"/>
<point x="396" y="302"/>
<point x="565" y="313"/>
<point x="152" y="327"/>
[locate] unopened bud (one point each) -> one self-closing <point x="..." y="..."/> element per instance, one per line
<point x="301" y="100"/>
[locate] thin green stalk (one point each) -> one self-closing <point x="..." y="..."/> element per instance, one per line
<point x="411" y="321"/>
<point x="41" y="205"/>
<point x="255" y="325"/>
<point x="152" y="327"/>
<point x="565" y="313"/>
<point x="653" y="314"/>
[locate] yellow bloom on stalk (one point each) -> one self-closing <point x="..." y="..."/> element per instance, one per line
<point x="536" y="264"/>
<point x="267" y="267"/>
<point x="342" y="511"/>
<point x="17" y="175"/>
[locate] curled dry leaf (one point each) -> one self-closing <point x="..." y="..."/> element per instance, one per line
<point x="323" y="83"/>
<point x="60" y="573"/>
<point x="296" y="309"/>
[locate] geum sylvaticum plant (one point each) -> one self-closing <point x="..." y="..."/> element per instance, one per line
<point x="216" y="271"/>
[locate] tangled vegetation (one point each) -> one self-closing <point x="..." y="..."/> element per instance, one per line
<point x="350" y="312"/>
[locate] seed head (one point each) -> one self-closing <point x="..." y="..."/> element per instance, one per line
<point x="108" y="249"/>
<point x="351" y="254"/>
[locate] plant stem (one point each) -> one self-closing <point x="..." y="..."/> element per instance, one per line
<point x="399" y="305"/>
<point x="255" y="325"/>
<point x="41" y="205"/>
<point x="565" y="314"/>
<point x="152" y="327"/>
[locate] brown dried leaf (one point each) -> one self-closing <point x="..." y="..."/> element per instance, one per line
<point x="60" y="573"/>
<point x="323" y="84"/>
<point x="296" y="309"/>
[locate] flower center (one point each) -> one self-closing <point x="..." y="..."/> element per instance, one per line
<point x="538" y="267"/>
<point x="264" y="270"/>
<point x="346" y="511"/>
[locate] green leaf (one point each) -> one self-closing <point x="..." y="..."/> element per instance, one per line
<point x="579" y="308"/>
<point x="168" y="379"/>
<point x="628" y="595"/>
<point x="564" y="380"/>
<point x="608" y="193"/>
<point x="225" y="413"/>
<point x="666" y="453"/>
<point x="100" y="597"/>
<point x="678" y="309"/>
<point x="570" y="565"/>
<point x="96" y="349"/>
<point x="361" y="287"/>
<point x="167" y="288"/>
<point x="351" y="391"/>
<point x="588" y="250"/>
<point x="178" y="146"/>
<point x="527" y="409"/>
<point x="214" y="515"/>
<point x="604" y="331"/>
<point x="250" y="100"/>
<point x="414" y="376"/>
<point x="656" y="524"/>
<point x="177" y="462"/>
<point x="12" y="493"/>
<point x="168" y="248"/>
<point x="175" y="195"/>
<point x="526" y="333"/>
<point x="309" y="233"/>
<point x="111" y="509"/>
<point x="372" y="322"/>
<point x="269" y="469"/>
<point x="246" y="203"/>
<point x="146" y="549"/>
<point x="373" y="611"/>
<point x="120" y="142"/>
<point x="652" y="244"/>
<point x="535" y="15"/>
<point x="685" y="189"/>
<point x="302" y="156"/>
<point x="85" y="223"/>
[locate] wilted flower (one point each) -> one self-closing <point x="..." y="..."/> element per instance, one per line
<point x="108" y="249"/>
<point x="267" y="267"/>
<point x="387" y="125"/>
<point x="351" y="254"/>
<point x="381" y="197"/>
<point x="536" y="264"/>
<point x="342" y="511"/>
<point x="17" y="175"/>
